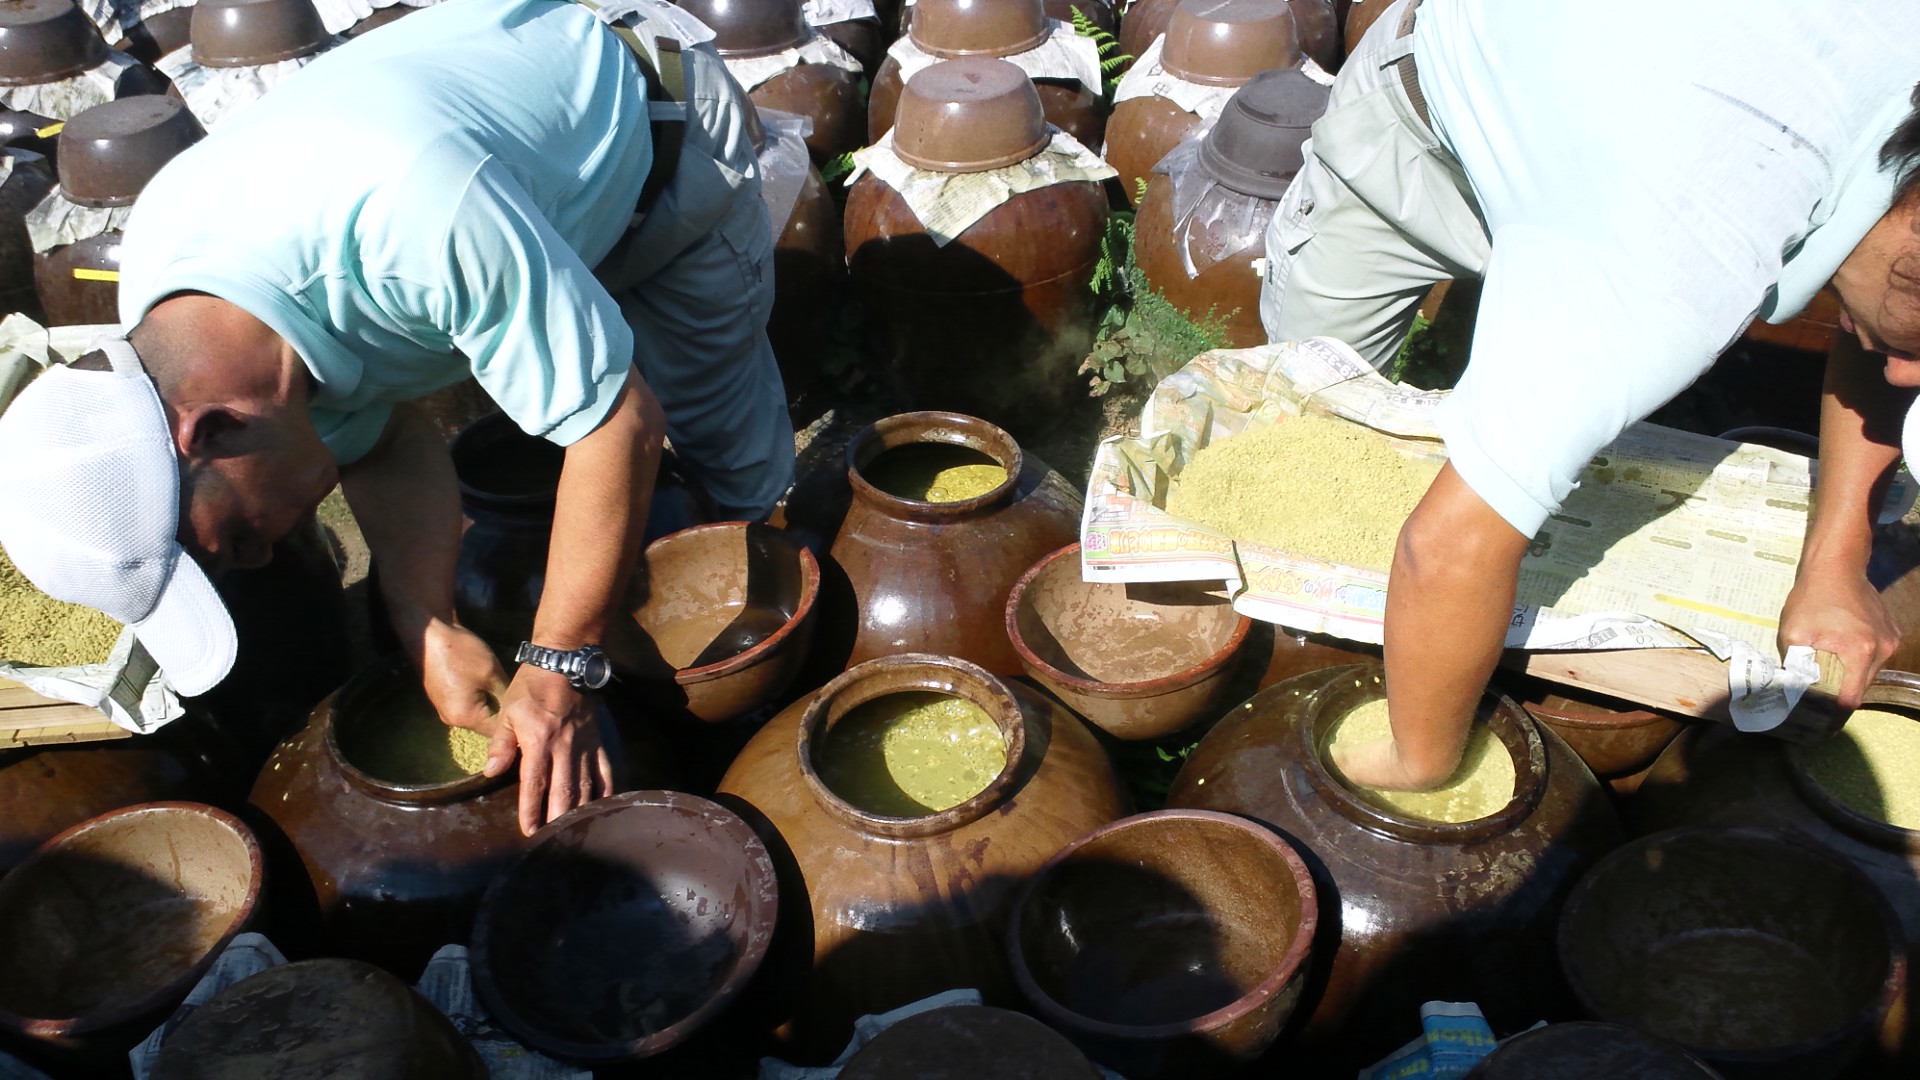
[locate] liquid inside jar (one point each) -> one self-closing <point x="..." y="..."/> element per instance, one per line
<point x="403" y="741"/>
<point x="1873" y="766"/>
<point x="1482" y="784"/>
<point x="934" y="472"/>
<point x="911" y="754"/>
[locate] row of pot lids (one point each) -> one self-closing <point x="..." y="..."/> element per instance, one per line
<point x="44" y="41"/>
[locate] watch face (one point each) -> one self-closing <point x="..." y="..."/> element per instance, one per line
<point x="596" y="671"/>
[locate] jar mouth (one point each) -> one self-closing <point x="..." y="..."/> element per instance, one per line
<point x="349" y="706"/>
<point x="933" y="429"/>
<point x="795" y="611"/>
<point x="1895" y="689"/>
<point x="901" y="673"/>
<point x="1348" y="688"/>
<point x="500" y="466"/>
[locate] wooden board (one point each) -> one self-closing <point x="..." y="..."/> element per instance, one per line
<point x="1689" y="682"/>
<point x="28" y="718"/>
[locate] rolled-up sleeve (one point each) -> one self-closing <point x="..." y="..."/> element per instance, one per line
<point x="545" y="340"/>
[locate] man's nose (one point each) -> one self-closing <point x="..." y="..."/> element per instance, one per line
<point x="1903" y="372"/>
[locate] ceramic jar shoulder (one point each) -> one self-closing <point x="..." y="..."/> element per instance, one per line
<point x="1227" y="286"/>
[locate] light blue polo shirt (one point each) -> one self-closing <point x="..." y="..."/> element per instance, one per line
<point x="421" y="204"/>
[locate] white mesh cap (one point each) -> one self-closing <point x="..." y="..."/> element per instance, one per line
<point x="1910" y="438"/>
<point x="91" y="510"/>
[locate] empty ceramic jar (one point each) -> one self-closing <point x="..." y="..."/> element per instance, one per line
<point x="107" y="155"/>
<point x="1421" y="910"/>
<point x="1182" y="84"/>
<point x="1203" y="222"/>
<point x="902" y="904"/>
<point x="1318" y="27"/>
<point x="992" y="321"/>
<point x="1065" y="67"/>
<point x="785" y="64"/>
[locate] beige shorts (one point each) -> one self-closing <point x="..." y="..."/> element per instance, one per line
<point x="1378" y="214"/>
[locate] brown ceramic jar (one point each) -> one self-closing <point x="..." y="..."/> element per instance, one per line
<point x="1587" y="1048"/>
<point x="809" y="282"/>
<point x="46" y="41"/>
<point x="827" y="95"/>
<point x="157" y="35"/>
<point x="952" y="29"/>
<point x="79" y="283"/>
<point x="1250" y="155"/>
<point x="968" y="1042"/>
<point x="904" y="907"/>
<point x="392" y="872"/>
<point x="1361" y="16"/>
<point x="1411" y="910"/>
<point x="27" y="182"/>
<point x="1319" y="30"/>
<point x="996" y="321"/>
<point x="904" y="575"/>
<point x="865" y="39"/>
<point x="1212" y="43"/>
<point x="1099" y="12"/>
<point x="1619" y="745"/>
<point x="1714" y="775"/>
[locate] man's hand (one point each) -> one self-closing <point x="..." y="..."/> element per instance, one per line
<point x="1836" y="609"/>
<point x="1377" y="764"/>
<point x="551" y="726"/>
<point x="462" y="677"/>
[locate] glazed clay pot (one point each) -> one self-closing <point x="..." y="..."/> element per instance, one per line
<point x="1360" y="17"/>
<point x="45" y="41"/>
<point x="995" y="322"/>
<point x="901" y="908"/>
<point x="809" y="282"/>
<point x="1410" y="910"/>
<point x="864" y="38"/>
<point x="1714" y="775"/>
<point x="1227" y="291"/>
<point x="108" y="925"/>
<point x="318" y="1018"/>
<point x="109" y="152"/>
<point x="391" y="871"/>
<point x="79" y="283"/>
<point x="1762" y="953"/>
<point x="911" y="576"/>
<point x="1584" y="1048"/>
<point x="249" y="33"/>
<point x="951" y="29"/>
<point x="1319" y="31"/>
<point x="27" y="183"/>
<point x="1212" y="43"/>
<point x="157" y="35"/>
<point x="1141" y="941"/>
<point x="1613" y="742"/>
<point x="967" y="1042"/>
<point x="827" y="95"/>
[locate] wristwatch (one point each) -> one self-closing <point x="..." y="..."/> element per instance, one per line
<point x="586" y="667"/>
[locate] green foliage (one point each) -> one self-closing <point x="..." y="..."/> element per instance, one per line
<point x="837" y="169"/>
<point x="1141" y="338"/>
<point x="1111" y="58"/>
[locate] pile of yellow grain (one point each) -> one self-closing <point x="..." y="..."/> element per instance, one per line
<point x="37" y="630"/>
<point x="1873" y="766"/>
<point x="1311" y="485"/>
<point x="1482" y="784"/>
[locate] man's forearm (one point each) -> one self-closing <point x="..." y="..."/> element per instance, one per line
<point x="599" y="518"/>
<point x="406" y="500"/>
<point x="1859" y="444"/>
<point x="1449" y="599"/>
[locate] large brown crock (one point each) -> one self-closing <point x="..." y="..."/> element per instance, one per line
<point x="900" y="908"/>
<point x="809" y="285"/>
<point x="27" y="182"/>
<point x="911" y="576"/>
<point x="108" y="925"/>
<point x="1360" y="17"/>
<point x="751" y="28"/>
<point x="109" y="152"/>
<point x="79" y="283"/>
<point x="827" y="95"/>
<point x="44" y="41"/>
<point x="1410" y="910"/>
<point x="1614" y="743"/>
<point x="1227" y="292"/>
<point x="157" y="35"/>
<point x="1314" y="21"/>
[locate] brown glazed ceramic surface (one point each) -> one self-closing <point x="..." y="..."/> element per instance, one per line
<point x="393" y="872"/>
<point x="827" y="95"/>
<point x="656" y="898"/>
<point x="1169" y="944"/>
<point x="900" y="908"/>
<point x="1360" y="16"/>
<point x="1138" y="660"/>
<point x="748" y="28"/>
<point x="969" y="1042"/>
<point x="1139" y="133"/>
<point x="1227" y="42"/>
<point x="1631" y="935"/>
<point x="392" y="13"/>
<point x="1314" y="24"/>
<point x="1410" y="911"/>
<point x="27" y="183"/>
<point x="109" y="152"/>
<point x="1584" y="1048"/>
<point x="910" y="576"/>
<point x="108" y="925"/>
<point x="245" y="33"/>
<point x="1064" y="103"/>
<point x="1613" y="742"/>
<point x="1255" y="148"/>
<point x="995" y="322"/>
<point x="809" y="281"/>
<point x="1228" y="288"/>
<point x="157" y="35"/>
<point x="950" y="29"/>
<point x="1714" y="775"/>
<point x="317" y="1018"/>
<point x="964" y="116"/>
<point x="43" y="41"/>
<point x="863" y="38"/>
<point x="725" y="618"/>
<point x="72" y="300"/>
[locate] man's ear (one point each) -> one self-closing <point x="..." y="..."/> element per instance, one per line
<point x="209" y="431"/>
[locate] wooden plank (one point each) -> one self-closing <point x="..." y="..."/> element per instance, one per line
<point x="64" y="723"/>
<point x="14" y="695"/>
<point x="1691" y="682"/>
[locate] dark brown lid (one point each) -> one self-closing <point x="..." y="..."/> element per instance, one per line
<point x="969" y="115"/>
<point x="1254" y="148"/>
<point x="747" y="28"/>
<point x="969" y="1042"/>
<point x="1586" y="1049"/>
<point x="1227" y="42"/>
<point x="109" y="152"/>
<point x="317" y="1018"/>
<point x="955" y="28"/>
<point x="43" y="41"/>
<point x="246" y="33"/>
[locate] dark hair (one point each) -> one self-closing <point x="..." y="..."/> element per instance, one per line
<point x="1901" y="152"/>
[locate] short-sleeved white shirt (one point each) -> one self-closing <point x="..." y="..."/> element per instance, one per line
<point x="419" y="205"/>
<point x="1653" y="175"/>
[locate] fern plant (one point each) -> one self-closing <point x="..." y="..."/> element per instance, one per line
<point x="1112" y="60"/>
<point x="1142" y="338"/>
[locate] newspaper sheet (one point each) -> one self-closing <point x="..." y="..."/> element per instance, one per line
<point x="1672" y="540"/>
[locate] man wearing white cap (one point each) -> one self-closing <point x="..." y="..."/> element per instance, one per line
<point x="501" y="189"/>
<point x="1634" y="182"/>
